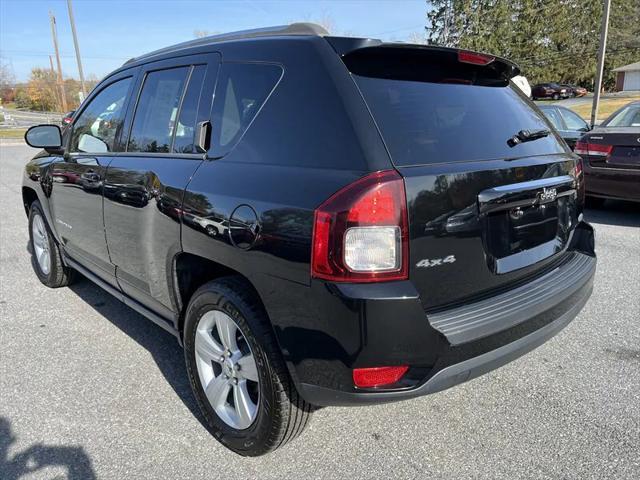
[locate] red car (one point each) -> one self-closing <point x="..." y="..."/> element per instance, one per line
<point x="549" y="90"/>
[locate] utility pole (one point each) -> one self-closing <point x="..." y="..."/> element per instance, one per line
<point x="75" y="44"/>
<point x="445" y="32"/>
<point x="600" y="68"/>
<point x="55" y="47"/>
<point x="53" y="72"/>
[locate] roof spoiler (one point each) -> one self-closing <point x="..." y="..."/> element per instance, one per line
<point x="422" y="63"/>
<point x="490" y="66"/>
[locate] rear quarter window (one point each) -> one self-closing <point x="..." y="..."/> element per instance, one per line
<point x="241" y="91"/>
<point x="426" y="123"/>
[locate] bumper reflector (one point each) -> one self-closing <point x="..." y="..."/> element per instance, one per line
<point x="378" y="376"/>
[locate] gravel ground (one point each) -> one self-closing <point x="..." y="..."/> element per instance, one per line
<point x="90" y="389"/>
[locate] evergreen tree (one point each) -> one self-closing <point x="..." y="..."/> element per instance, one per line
<point x="549" y="39"/>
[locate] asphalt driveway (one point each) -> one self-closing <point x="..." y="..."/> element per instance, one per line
<point x="90" y="389"/>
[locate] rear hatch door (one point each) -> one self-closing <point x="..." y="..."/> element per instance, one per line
<point x="484" y="215"/>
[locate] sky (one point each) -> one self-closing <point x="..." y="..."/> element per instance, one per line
<point x="112" y="31"/>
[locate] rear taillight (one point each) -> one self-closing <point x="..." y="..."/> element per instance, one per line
<point x="593" y="149"/>
<point x="360" y="234"/>
<point x="378" y="376"/>
<point x="474" y="58"/>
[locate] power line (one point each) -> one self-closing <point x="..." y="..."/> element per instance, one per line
<point x="396" y="30"/>
<point x="591" y="49"/>
<point x="567" y="57"/>
<point x="33" y="53"/>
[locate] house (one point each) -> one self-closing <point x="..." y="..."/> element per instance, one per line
<point x="628" y="77"/>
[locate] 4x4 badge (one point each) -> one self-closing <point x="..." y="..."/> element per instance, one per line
<point x="435" y="262"/>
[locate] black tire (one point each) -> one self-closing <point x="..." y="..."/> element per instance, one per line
<point x="556" y="96"/>
<point x="594" y="202"/>
<point x="59" y="275"/>
<point x="282" y="414"/>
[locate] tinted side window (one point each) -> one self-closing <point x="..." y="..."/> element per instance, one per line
<point x="157" y="109"/>
<point x="96" y="128"/>
<point x="185" y="129"/>
<point x="240" y="93"/>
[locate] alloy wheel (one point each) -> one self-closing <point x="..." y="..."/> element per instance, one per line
<point x="41" y="244"/>
<point x="227" y="369"/>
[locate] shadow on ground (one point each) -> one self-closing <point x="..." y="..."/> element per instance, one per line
<point x="614" y="212"/>
<point x="162" y="346"/>
<point x="38" y="457"/>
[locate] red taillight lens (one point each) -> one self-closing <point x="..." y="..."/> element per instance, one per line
<point x="361" y="234"/>
<point x="594" y="149"/>
<point x="474" y="58"/>
<point x="378" y="376"/>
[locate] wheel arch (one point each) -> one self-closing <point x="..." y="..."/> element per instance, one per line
<point x="191" y="271"/>
<point x="29" y="196"/>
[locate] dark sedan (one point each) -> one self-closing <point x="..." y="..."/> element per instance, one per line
<point x="611" y="154"/>
<point x="549" y="90"/>
<point x="568" y="123"/>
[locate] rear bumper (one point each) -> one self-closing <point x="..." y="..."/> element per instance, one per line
<point x="453" y="374"/>
<point x="384" y="324"/>
<point x="613" y="183"/>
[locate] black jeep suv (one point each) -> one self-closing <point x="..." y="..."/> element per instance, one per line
<point x="319" y="220"/>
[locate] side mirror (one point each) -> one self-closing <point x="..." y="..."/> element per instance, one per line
<point x="48" y="137"/>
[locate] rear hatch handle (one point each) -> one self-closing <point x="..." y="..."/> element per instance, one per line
<point x="525" y="194"/>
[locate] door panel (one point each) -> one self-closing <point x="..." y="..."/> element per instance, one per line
<point x="77" y="208"/>
<point x="144" y="187"/>
<point x="78" y="177"/>
<point x="142" y="205"/>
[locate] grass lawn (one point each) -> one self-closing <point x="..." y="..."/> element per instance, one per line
<point x="607" y="107"/>
<point x="17" y="133"/>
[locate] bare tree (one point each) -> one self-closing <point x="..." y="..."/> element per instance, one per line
<point x="7" y="81"/>
<point x="419" y="38"/>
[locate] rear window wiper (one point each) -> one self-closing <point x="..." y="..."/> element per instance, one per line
<point x="527" y="136"/>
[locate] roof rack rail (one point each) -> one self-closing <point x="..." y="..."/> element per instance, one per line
<point x="302" y="28"/>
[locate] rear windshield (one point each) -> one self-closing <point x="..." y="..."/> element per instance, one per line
<point x="627" y="117"/>
<point x="425" y="123"/>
